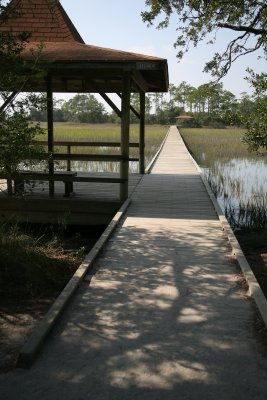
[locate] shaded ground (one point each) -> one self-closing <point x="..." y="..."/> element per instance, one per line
<point x="254" y="246"/>
<point x="20" y="311"/>
<point x="17" y="321"/>
<point x="19" y="315"/>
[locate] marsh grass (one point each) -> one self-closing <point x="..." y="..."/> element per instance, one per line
<point x="249" y="215"/>
<point x="240" y="213"/>
<point x="209" y="145"/>
<point x="235" y="175"/>
<point x="106" y="133"/>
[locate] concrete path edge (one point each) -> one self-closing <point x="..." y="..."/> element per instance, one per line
<point x="31" y="348"/>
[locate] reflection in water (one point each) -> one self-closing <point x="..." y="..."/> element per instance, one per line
<point x="240" y="186"/>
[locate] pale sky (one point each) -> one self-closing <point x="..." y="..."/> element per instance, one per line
<point x="117" y="24"/>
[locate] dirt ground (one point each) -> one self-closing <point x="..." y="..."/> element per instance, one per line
<point x="21" y="312"/>
<point x="17" y="321"/>
<point x="19" y="318"/>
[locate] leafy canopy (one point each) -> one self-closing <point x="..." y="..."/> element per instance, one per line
<point x="197" y="19"/>
<point x="16" y="130"/>
<point x="256" y="122"/>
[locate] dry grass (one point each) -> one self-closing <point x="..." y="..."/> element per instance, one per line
<point x="34" y="263"/>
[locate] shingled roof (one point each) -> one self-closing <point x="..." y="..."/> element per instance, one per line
<point x="45" y="20"/>
<point x="48" y="23"/>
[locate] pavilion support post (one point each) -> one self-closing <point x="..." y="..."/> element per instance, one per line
<point x="125" y="133"/>
<point x="142" y="133"/>
<point x="50" y="130"/>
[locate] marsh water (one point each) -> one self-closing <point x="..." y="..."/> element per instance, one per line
<point x="237" y="176"/>
<point x="240" y="186"/>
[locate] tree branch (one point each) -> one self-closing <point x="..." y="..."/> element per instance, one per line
<point x="242" y="28"/>
<point x="7" y="101"/>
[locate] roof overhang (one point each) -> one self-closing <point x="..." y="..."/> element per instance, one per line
<point x="84" y="68"/>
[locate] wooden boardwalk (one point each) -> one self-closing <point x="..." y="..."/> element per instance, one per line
<point x="163" y="317"/>
<point x="91" y="203"/>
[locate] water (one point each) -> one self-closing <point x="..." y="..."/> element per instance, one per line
<point x="99" y="166"/>
<point x="240" y="186"/>
<point x="106" y="166"/>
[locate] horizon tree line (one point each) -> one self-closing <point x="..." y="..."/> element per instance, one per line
<point x="209" y="104"/>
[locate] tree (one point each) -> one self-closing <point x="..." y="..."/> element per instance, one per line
<point x="84" y="108"/>
<point x="229" y="109"/>
<point x="182" y="94"/>
<point x="256" y="120"/>
<point x="39" y="112"/>
<point x="16" y="130"/>
<point x="198" y="19"/>
<point x="16" y="136"/>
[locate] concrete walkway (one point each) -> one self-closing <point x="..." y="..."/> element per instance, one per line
<point x="164" y="317"/>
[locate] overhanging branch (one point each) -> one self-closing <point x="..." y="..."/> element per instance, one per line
<point x="243" y="28"/>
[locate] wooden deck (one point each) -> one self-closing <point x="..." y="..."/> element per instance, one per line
<point x="170" y="212"/>
<point x="174" y="189"/>
<point x="92" y="203"/>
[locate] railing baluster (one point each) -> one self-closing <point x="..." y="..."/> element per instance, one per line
<point x="68" y="161"/>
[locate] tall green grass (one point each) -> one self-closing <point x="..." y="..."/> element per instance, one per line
<point x="209" y="145"/>
<point x="154" y="136"/>
<point x="105" y="132"/>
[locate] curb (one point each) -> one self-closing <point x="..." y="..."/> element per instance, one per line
<point x="254" y="288"/>
<point x="30" y="350"/>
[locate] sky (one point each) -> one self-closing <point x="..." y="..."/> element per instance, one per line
<point x="118" y="24"/>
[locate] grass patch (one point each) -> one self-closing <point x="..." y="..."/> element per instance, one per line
<point x="209" y="145"/>
<point x="37" y="262"/>
<point x="107" y="133"/>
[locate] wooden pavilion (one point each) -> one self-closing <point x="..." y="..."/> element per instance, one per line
<point x="71" y="66"/>
<point x="184" y="120"/>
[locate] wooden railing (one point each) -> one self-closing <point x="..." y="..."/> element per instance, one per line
<point x="69" y="156"/>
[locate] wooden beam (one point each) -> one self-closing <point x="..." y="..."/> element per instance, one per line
<point x="125" y="133"/>
<point x="85" y="157"/>
<point x="110" y="103"/>
<point x="140" y="82"/>
<point x="50" y="130"/>
<point x="142" y="133"/>
<point x="90" y="157"/>
<point x="72" y="143"/>
<point x="7" y="101"/>
<point x="132" y="108"/>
